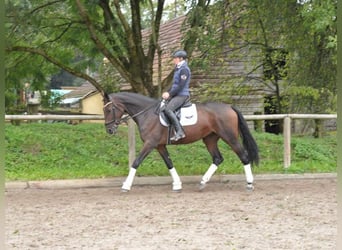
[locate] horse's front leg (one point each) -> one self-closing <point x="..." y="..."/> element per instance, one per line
<point x="126" y="186"/>
<point x="176" y="182"/>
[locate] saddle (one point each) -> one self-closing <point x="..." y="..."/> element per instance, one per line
<point x="187" y="115"/>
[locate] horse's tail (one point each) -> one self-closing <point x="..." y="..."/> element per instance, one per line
<point x="247" y="139"/>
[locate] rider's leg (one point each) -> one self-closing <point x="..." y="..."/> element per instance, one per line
<point x="174" y="120"/>
<point x="174" y="104"/>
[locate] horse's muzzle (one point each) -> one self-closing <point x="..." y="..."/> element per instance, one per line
<point x="111" y="129"/>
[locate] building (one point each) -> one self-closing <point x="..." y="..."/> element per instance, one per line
<point x="84" y="99"/>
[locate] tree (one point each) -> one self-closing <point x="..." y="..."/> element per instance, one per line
<point x="313" y="65"/>
<point x="59" y="31"/>
<point x="290" y="46"/>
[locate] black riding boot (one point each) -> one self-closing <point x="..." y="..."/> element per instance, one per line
<point x="178" y="127"/>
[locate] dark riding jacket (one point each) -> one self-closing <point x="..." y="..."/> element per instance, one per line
<point x="181" y="80"/>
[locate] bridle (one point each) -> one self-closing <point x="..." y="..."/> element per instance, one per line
<point x="115" y="121"/>
<point x="125" y="118"/>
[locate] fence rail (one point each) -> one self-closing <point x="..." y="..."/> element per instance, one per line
<point x="53" y="117"/>
<point x="131" y="133"/>
<point x="100" y="117"/>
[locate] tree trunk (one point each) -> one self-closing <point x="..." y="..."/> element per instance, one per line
<point x="318" y="128"/>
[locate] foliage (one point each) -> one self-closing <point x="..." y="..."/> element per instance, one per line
<point x="291" y="44"/>
<point x="76" y="35"/>
<point x="86" y="151"/>
<point x="109" y="79"/>
<point x="289" y="49"/>
<point x="42" y="37"/>
<point x="63" y="78"/>
<point x="175" y="9"/>
<point x="50" y="100"/>
<point x="314" y="63"/>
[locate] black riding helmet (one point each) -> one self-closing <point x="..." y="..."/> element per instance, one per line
<point x="180" y="53"/>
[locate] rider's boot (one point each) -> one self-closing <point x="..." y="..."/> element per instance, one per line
<point x="178" y="127"/>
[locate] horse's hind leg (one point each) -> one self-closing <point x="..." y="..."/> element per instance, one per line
<point x="234" y="143"/>
<point x="211" y="144"/>
<point x="176" y="184"/>
<point x="243" y="155"/>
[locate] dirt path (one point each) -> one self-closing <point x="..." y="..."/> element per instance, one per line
<point x="286" y="214"/>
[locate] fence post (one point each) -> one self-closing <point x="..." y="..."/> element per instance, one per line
<point x="287" y="141"/>
<point x="131" y="142"/>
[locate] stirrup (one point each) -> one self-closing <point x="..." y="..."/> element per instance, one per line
<point x="177" y="137"/>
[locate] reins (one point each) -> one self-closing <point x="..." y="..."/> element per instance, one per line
<point x="127" y="117"/>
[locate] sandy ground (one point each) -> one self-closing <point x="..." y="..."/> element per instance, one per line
<point x="282" y="214"/>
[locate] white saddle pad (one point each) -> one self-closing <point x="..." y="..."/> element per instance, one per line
<point x="188" y="116"/>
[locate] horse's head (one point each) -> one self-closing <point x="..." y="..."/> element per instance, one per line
<point x="112" y="114"/>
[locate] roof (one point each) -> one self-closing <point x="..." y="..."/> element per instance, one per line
<point x="170" y="35"/>
<point x="60" y="92"/>
<point x="82" y="91"/>
<point x="170" y="39"/>
<point x="70" y="100"/>
<point x="79" y="93"/>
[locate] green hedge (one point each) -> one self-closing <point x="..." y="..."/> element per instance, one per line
<point x="38" y="151"/>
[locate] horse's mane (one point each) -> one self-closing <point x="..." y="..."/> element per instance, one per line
<point x="138" y="99"/>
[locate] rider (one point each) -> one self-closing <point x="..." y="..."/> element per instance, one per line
<point x="179" y="92"/>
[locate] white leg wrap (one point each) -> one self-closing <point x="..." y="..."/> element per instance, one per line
<point x="248" y="173"/>
<point x="129" y="180"/>
<point x="176" y="184"/>
<point x="206" y="177"/>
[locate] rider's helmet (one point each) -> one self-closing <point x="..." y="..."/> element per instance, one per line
<point x="180" y="53"/>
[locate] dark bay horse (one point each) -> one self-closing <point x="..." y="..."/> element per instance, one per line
<point x="215" y="121"/>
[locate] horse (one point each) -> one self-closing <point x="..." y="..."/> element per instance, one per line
<point x="215" y="121"/>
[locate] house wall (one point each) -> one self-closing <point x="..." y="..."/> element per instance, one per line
<point x="93" y="105"/>
<point x="250" y="105"/>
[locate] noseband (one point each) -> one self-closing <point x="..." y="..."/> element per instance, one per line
<point x="115" y="121"/>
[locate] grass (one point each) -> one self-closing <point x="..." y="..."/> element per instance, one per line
<point x="40" y="151"/>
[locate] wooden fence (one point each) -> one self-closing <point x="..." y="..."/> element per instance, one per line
<point x="131" y="134"/>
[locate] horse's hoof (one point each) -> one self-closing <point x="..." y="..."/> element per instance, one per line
<point x="249" y="187"/>
<point x="177" y="187"/>
<point x="176" y="190"/>
<point x="202" y="186"/>
<point x="123" y="190"/>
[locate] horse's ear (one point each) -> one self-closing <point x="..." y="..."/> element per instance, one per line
<point x="106" y="97"/>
